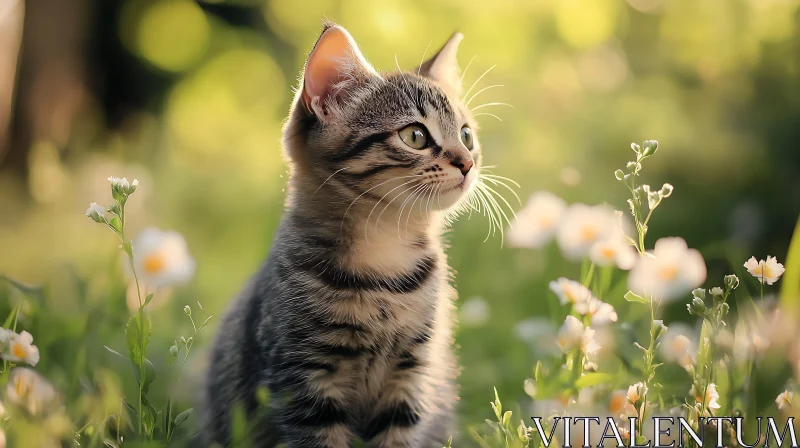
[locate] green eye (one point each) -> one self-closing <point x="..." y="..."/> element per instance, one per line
<point x="466" y="137"/>
<point x="415" y="136"/>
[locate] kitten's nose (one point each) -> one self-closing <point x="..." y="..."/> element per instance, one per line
<point x="463" y="165"/>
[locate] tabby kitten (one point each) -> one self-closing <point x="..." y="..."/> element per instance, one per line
<point x="348" y="323"/>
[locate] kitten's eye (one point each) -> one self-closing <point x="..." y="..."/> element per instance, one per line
<point x="466" y="137"/>
<point x="415" y="136"/>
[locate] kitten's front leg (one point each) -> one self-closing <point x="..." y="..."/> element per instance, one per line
<point x="406" y="410"/>
<point x="310" y="405"/>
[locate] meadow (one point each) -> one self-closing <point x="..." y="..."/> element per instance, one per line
<point x="561" y="314"/>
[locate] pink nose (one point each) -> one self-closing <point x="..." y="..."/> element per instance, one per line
<point x="463" y="165"/>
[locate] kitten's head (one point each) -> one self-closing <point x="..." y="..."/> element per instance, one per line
<point x="394" y="138"/>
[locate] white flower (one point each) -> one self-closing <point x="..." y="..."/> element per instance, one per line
<point x="570" y="291"/>
<point x="583" y="226"/>
<point x="619" y="406"/>
<point x="573" y="335"/>
<point x="636" y="392"/>
<point x="29" y="389"/>
<point x="536" y="224"/>
<point x="162" y="258"/>
<point x="672" y="270"/>
<point x="21" y="349"/>
<point x="653" y="197"/>
<point x="711" y="396"/>
<point x="5" y="338"/>
<point x="716" y="291"/>
<point x="613" y="251"/>
<point x="96" y="212"/>
<point x="678" y="345"/>
<point x="784" y="400"/>
<point x="765" y="271"/>
<point x="601" y="312"/>
<point x="474" y="312"/>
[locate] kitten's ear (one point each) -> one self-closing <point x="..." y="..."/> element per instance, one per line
<point x="334" y="66"/>
<point x="443" y="66"/>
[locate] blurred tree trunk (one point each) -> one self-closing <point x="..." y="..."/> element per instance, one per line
<point x="51" y="81"/>
<point x="12" y="13"/>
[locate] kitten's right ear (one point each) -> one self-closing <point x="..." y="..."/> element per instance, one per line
<point x="334" y="66"/>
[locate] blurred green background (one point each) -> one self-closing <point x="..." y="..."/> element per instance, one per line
<point x="189" y="97"/>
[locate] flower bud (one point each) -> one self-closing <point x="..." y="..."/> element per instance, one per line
<point x="634" y="166"/>
<point x="666" y="190"/>
<point x="699" y="293"/>
<point x="724" y="309"/>
<point x="96" y="212"/>
<point x="619" y="174"/>
<point x="637" y="192"/>
<point x="636" y="148"/>
<point x="173" y="352"/>
<point x="716" y="291"/>
<point x="650" y="147"/>
<point x="731" y="281"/>
<point x="632" y="206"/>
<point x="660" y="328"/>
<point x="697" y="307"/>
<point x="187" y="310"/>
<point x="132" y="187"/>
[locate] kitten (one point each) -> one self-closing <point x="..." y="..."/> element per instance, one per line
<point x="348" y="324"/>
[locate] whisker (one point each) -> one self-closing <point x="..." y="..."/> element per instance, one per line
<point x="467" y="67"/>
<point x="362" y="194"/>
<point x="481" y="91"/>
<point x="487" y="113"/>
<point x="417" y="196"/>
<point x="416" y="189"/>
<point x="491" y="104"/>
<point x="478" y="80"/>
<point x="501" y="183"/>
<point x="495" y="176"/>
<point x="366" y="225"/>
<point x="326" y="180"/>
<point x="422" y="59"/>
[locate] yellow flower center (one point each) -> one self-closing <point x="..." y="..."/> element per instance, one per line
<point x="18" y="350"/>
<point x="22" y="387"/>
<point x="545" y="222"/>
<point x="153" y="263"/>
<point x="668" y="273"/>
<point x="607" y="252"/>
<point x="767" y="271"/>
<point x="617" y="402"/>
<point x="588" y="233"/>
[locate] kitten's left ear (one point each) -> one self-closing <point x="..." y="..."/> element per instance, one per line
<point x="443" y="66"/>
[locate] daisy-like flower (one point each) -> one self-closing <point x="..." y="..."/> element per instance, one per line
<point x="536" y="224"/>
<point x="30" y="390"/>
<point x="613" y="251"/>
<point x="671" y="270"/>
<point x="620" y="406"/>
<point x="21" y="349"/>
<point x="784" y="400"/>
<point x="162" y="258"/>
<point x="765" y="271"/>
<point x="601" y="312"/>
<point x="96" y="212"/>
<point x="677" y="347"/>
<point x="574" y="335"/>
<point x="570" y="291"/>
<point x="582" y="227"/>
<point x="636" y="392"/>
<point x="711" y="396"/>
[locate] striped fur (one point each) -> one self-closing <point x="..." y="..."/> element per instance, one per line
<point x="348" y="324"/>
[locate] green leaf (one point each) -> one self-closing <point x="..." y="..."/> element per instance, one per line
<point x="137" y="337"/>
<point x="790" y="286"/>
<point x="594" y="379"/>
<point x="149" y="416"/>
<point x="180" y="418"/>
<point x="10" y="318"/>
<point x="116" y="353"/>
<point x="631" y="297"/>
<point x="149" y="374"/>
<point x="148" y="299"/>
